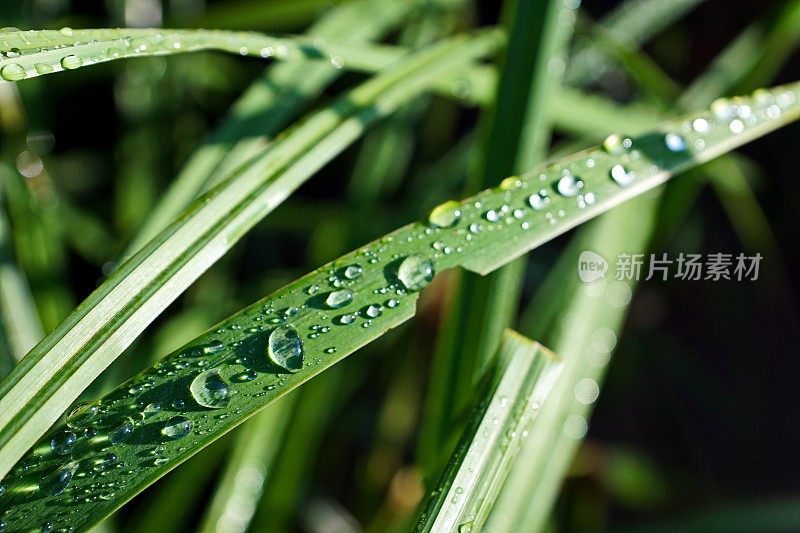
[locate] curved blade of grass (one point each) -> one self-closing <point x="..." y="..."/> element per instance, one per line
<point x="492" y="440"/>
<point x="242" y="483"/>
<point x="17" y="309"/>
<point x="152" y="423"/>
<point x="65" y="362"/>
<point x="28" y="54"/>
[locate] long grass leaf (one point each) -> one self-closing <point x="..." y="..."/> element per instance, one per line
<point x="503" y="419"/>
<point x="161" y="417"/>
<point x="66" y="361"/>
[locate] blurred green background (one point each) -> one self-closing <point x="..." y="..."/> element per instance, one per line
<point x="696" y="426"/>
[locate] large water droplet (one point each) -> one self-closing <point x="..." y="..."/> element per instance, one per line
<point x="56" y="483"/>
<point x="82" y="414"/>
<point x="12" y="72"/>
<point x="285" y="348"/>
<point x="569" y="185"/>
<point x="446" y="214"/>
<point x="338" y="299"/>
<point x="62" y="442"/>
<point x="415" y="272"/>
<point x="353" y="271"/>
<point x="210" y="390"/>
<point x="121" y="433"/>
<point x="177" y="427"/>
<point x="71" y="62"/>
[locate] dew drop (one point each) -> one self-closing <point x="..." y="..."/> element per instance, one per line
<point x="244" y="377"/>
<point x="58" y="482"/>
<point x="539" y="200"/>
<point x="338" y="299"/>
<point x="569" y="185"/>
<point x="415" y="272"/>
<point x="392" y="303"/>
<point x="121" y="433"/>
<point x="736" y="126"/>
<point x="622" y="176"/>
<point x="492" y="215"/>
<point x="675" y="142"/>
<point x="12" y="72"/>
<point x="210" y="390"/>
<point x="71" y="62"/>
<point x="346" y="319"/>
<point x="43" y="68"/>
<point x="214" y="346"/>
<point x="353" y="272"/>
<point x="615" y="144"/>
<point x="445" y="215"/>
<point x="82" y="414"/>
<point x="66" y="31"/>
<point x="701" y="125"/>
<point x="285" y="348"/>
<point x="177" y="427"/>
<point x="373" y="311"/>
<point x="63" y="442"/>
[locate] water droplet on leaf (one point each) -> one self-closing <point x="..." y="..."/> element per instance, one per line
<point x="446" y="214"/>
<point x="177" y="427"/>
<point x="339" y="298"/>
<point x="285" y="348"/>
<point x="210" y="390"/>
<point x="415" y="272"/>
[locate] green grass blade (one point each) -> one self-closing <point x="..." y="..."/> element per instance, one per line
<point x="462" y="499"/>
<point x="153" y="422"/>
<point x="28" y="54"/>
<point x="483" y="307"/>
<point x="17" y="308"/>
<point x="66" y="361"/>
<point x="591" y="319"/>
<point x="248" y="469"/>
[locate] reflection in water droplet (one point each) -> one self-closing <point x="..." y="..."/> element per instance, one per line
<point x="177" y="427"/>
<point x="58" y="482"/>
<point x="285" y="348"/>
<point x="446" y="214"/>
<point x="338" y="299"/>
<point x="415" y="272"/>
<point x="210" y="390"/>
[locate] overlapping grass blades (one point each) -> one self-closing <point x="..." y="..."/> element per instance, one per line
<point x="66" y="361"/>
<point x="155" y="421"/>
<point x="525" y="374"/>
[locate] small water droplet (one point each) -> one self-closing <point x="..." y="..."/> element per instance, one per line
<point x="121" y="433"/>
<point x="373" y="311"/>
<point x="346" y="319"/>
<point x="415" y="272"/>
<point x="445" y="215"/>
<point x="622" y="176"/>
<point x="71" y="62"/>
<point x="246" y="376"/>
<point x="675" y="142"/>
<point x="58" y="482"/>
<point x="210" y="390"/>
<point x="285" y="348"/>
<point x="615" y="144"/>
<point x="392" y="303"/>
<point x="569" y="185"/>
<point x="66" y="31"/>
<point x="539" y="201"/>
<point x="177" y="427"/>
<point x="736" y="126"/>
<point x="701" y="125"/>
<point x="339" y="298"/>
<point x="214" y="346"/>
